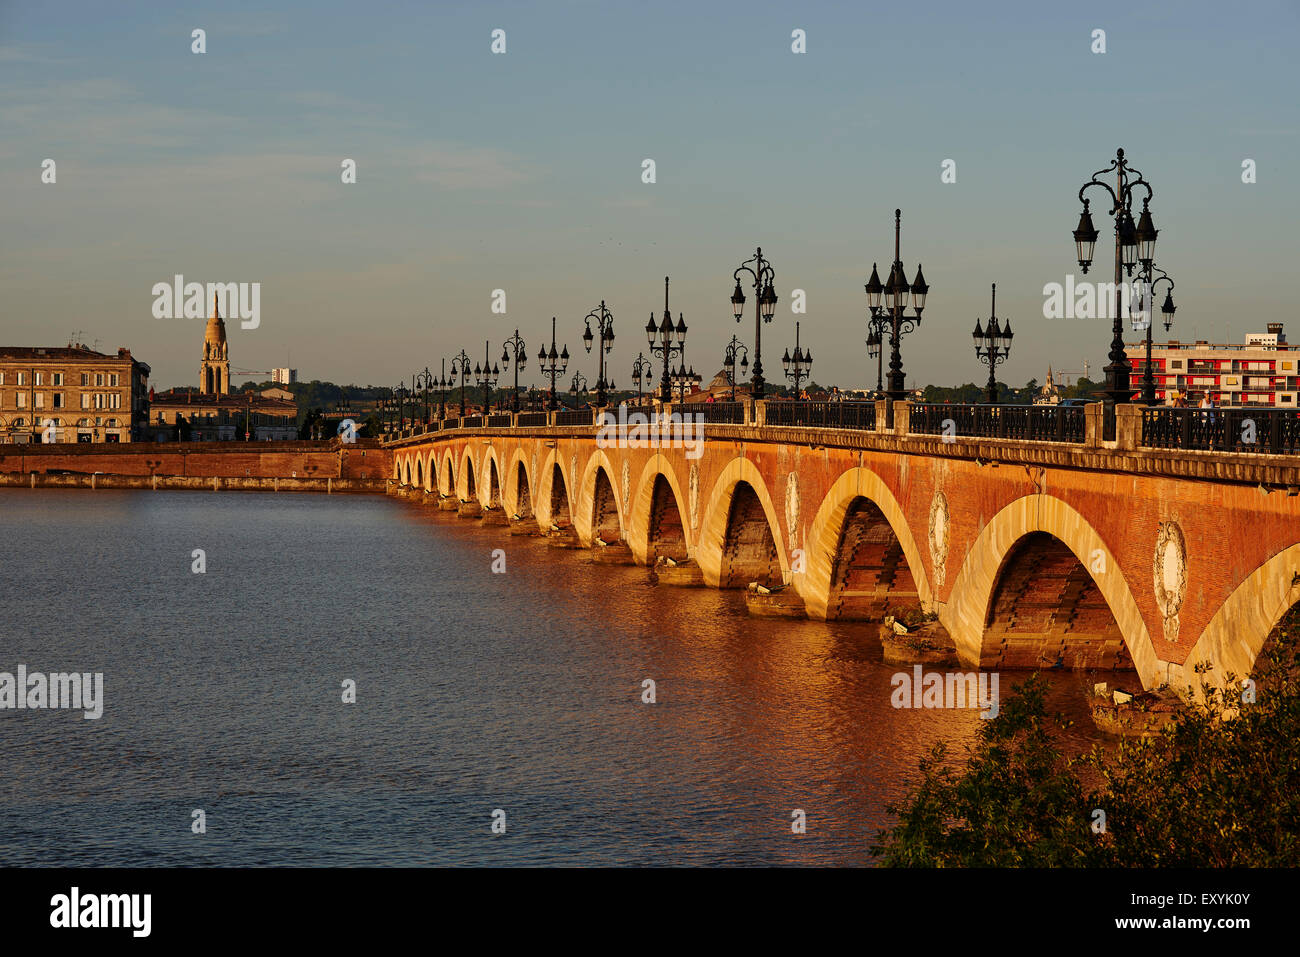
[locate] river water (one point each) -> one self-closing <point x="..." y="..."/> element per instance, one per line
<point x="475" y="691"/>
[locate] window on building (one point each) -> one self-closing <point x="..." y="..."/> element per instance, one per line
<point x="58" y="378"/>
<point x="22" y="378"/>
<point x="40" y="378"/>
<point x="112" y="378"/>
<point x="99" y="378"/>
<point x="58" y="400"/>
<point x="85" y="378"/>
<point x="40" y="401"/>
<point x="21" y="400"/>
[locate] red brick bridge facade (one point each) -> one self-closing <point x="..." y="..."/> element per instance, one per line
<point x="1092" y="554"/>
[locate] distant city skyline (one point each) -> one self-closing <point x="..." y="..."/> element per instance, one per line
<point x="523" y="171"/>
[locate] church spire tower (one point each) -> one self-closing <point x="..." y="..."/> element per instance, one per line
<point x="214" y="375"/>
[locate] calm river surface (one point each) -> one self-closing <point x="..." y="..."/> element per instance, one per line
<point x="475" y="691"/>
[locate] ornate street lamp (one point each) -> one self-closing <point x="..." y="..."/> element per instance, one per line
<point x="423" y="380"/>
<point x="993" y="345"/>
<point x="515" y="348"/>
<point x="605" y="326"/>
<point x="888" y="304"/>
<point x="681" y="378"/>
<point x="764" y="308"/>
<point x="642" y="370"/>
<point x="460" y="367"/>
<point x="1134" y="242"/>
<point x="798" y="366"/>
<point x="578" y="387"/>
<point x="1146" y="295"/>
<point x="666" y="340"/>
<point x="443" y="384"/>
<point x="735" y="348"/>
<point x="486" y="378"/>
<point x="553" y="364"/>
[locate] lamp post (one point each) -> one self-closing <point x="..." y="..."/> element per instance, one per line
<point x="1147" y="296"/>
<point x="993" y="345"/>
<point x="423" y="382"/>
<point x="891" y="313"/>
<point x="443" y="384"/>
<point x="682" y="377"/>
<point x="553" y="364"/>
<point x="662" y="343"/>
<point x="460" y="367"/>
<point x="400" y="392"/>
<point x="764" y="308"/>
<point x="515" y="348"/>
<point x="735" y="348"/>
<point x="578" y="387"/>
<point x="1133" y="244"/>
<point x="605" y="327"/>
<point x="486" y="378"/>
<point x="642" y="370"/>
<point x="877" y="323"/>
<point x="798" y="366"/>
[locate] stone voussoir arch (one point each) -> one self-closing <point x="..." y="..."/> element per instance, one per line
<point x="638" y="524"/>
<point x="1235" y="636"/>
<point x="582" y="508"/>
<point x="542" y="500"/>
<point x="966" y="611"/>
<point x="713" y="524"/>
<point x="510" y="489"/>
<point x="823" y="542"/>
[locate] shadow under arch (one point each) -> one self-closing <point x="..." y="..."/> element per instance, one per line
<point x="518" y="493"/>
<point x="740" y="538"/>
<point x="657" y="520"/>
<point x="448" y="486"/>
<point x="971" y="603"/>
<point x="469" y="490"/>
<point x="431" y="472"/>
<point x="842" y="520"/>
<point x="553" y="494"/>
<point x="599" y="511"/>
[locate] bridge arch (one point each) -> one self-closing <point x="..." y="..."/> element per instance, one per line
<point x="600" y="511"/>
<point x="740" y="536"/>
<point x="431" y="472"/>
<point x="849" y="551"/>
<point x="494" y="494"/>
<point x="975" y="590"/>
<point x="419" y="472"/>
<point x="1235" y="636"/>
<point x="553" y="498"/>
<point x="657" y="519"/>
<point x="468" y="488"/>
<point x="448" y="476"/>
<point x="518" y="485"/>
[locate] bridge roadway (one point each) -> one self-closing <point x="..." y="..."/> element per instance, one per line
<point x="1093" y="554"/>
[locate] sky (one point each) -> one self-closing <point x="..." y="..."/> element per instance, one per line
<point x="523" y="171"/>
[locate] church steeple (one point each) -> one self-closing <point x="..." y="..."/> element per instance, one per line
<point x="214" y="374"/>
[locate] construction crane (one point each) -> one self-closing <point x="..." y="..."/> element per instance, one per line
<point x="1063" y="372"/>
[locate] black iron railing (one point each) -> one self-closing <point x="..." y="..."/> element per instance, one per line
<point x="573" y="417"/>
<point x="532" y="419"/>
<point x="732" y="413"/>
<point x="500" y="420"/>
<point x="1267" y="431"/>
<point x="826" y="415"/>
<point x="1035" y="423"/>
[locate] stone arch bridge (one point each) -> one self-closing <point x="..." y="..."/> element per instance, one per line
<point x="1036" y="541"/>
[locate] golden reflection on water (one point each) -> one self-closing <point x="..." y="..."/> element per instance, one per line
<point x="774" y="714"/>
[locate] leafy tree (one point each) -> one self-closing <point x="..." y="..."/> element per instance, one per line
<point x="1218" y="787"/>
